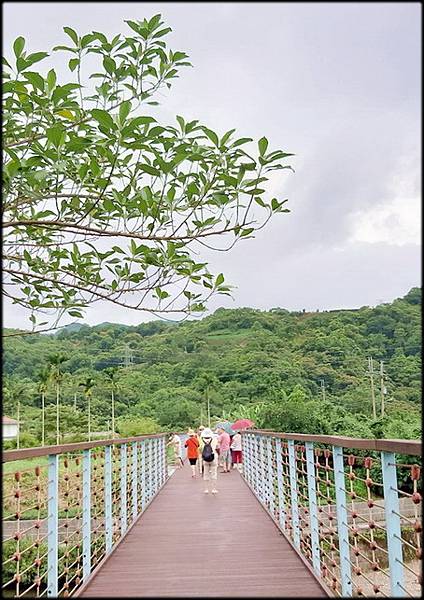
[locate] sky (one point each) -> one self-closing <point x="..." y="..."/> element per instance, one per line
<point x="339" y="85"/>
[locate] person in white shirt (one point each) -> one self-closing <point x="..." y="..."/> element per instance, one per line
<point x="175" y="442"/>
<point x="236" y="450"/>
<point x="209" y="459"/>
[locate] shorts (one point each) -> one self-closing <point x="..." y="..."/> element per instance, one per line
<point x="236" y="456"/>
<point x="224" y="455"/>
<point x="192" y="461"/>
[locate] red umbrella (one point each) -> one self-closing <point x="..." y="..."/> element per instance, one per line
<point x="242" y="424"/>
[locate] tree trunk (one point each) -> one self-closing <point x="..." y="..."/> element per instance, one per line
<point x="89" y="418"/>
<point x="113" y="414"/>
<point x="57" y="413"/>
<point x="42" y="420"/>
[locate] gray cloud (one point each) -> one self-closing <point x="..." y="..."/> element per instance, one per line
<point x="338" y="84"/>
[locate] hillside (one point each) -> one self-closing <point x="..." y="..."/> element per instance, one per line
<point x="290" y="370"/>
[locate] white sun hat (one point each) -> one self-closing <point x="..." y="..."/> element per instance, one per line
<point x="207" y="433"/>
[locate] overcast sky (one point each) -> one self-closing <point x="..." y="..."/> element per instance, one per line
<point x="337" y="84"/>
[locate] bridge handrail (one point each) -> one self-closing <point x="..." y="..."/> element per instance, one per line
<point x="66" y="508"/>
<point x="351" y="508"/>
<point x="410" y="447"/>
<point x="24" y="453"/>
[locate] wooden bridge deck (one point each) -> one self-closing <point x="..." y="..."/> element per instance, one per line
<point x="189" y="544"/>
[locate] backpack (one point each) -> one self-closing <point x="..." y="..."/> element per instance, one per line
<point x="207" y="452"/>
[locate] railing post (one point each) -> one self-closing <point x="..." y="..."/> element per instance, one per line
<point x="155" y="466"/>
<point x="143" y="473"/>
<point x="247" y="471"/>
<point x="293" y="493"/>
<point x="261" y="469"/>
<point x="108" y="498"/>
<point x="342" y="526"/>
<point x="134" y="473"/>
<point x="270" y="476"/>
<point x="391" y="508"/>
<point x="123" y="488"/>
<point x="313" y="512"/>
<point x="280" y="482"/>
<point x="52" y="526"/>
<point x="86" y="514"/>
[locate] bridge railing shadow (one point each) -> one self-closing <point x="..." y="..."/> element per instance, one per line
<point x="350" y="507"/>
<point x="65" y="508"/>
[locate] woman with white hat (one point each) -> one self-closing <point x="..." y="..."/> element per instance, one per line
<point x="209" y="459"/>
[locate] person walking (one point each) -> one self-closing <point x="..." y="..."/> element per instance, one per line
<point x="192" y="445"/>
<point x="210" y="460"/>
<point x="199" y="437"/>
<point x="224" y="450"/>
<point x="175" y="442"/>
<point x="236" y="451"/>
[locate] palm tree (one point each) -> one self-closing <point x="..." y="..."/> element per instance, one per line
<point x="55" y="362"/>
<point x="87" y="386"/>
<point x="43" y="377"/>
<point x="111" y="374"/>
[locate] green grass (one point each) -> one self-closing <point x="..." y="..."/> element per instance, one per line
<point x="24" y="465"/>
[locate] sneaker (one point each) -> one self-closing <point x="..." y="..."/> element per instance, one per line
<point x="214" y="491"/>
<point x="206" y="492"/>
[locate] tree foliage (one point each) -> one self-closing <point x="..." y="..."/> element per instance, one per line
<point x="104" y="202"/>
<point x="266" y="366"/>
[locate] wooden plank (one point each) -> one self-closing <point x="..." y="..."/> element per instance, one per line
<point x="189" y="544"/>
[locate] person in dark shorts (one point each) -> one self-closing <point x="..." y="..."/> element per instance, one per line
<point x="192" y="445"/>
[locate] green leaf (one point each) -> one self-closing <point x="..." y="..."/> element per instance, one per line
<point x="103" y="118"/>
<point x="211" y="135"/>
<point x="18" y="46"/>
<point x="35" y="79"/>
<point x="124" y="111"/>
<point x="75" y="313"/>
<point x="134" y="26"/>
<point x="51" y="79"/>
<point x="219" y="279"/>
<point x="149" y="169"/>
<point x="162" y="32"/>
<point x="73" y="63"/>
<point x="240" y="142"/>
<point x="36" y="57"/>
<point x="72" y="34"/>
<point x="226" y="137"/>
<point x="262" y="145"/>
<point x="54" y="135"/>
<point x="246" y="232"/>
<point x="109" y="65"/>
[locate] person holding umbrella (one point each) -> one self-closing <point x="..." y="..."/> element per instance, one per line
<point x="236" y="447"/>
<point x="224" y="449"/>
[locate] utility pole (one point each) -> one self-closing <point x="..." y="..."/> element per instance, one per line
<point x="201" y="416"/>
<point x="128" y="357"/>
<point x="209" y="411"/>
<point x="383" y="390"/>
<point x="19" y="424"/>
<point x="371" y="372"/>
<point x="323" y="389"/>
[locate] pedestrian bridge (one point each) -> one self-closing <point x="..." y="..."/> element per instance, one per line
<point x="309" y="516"/>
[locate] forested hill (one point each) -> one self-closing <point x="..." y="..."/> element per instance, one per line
<point x="296" y="371"/>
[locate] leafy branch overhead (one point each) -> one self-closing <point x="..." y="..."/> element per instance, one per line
<point x="103" y="202"/>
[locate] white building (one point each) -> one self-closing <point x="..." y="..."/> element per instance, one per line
<point x="10" y="428"/>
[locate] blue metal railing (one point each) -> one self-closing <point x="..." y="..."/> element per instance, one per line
<point x="350" y="507"/>
<point x="66" y="507"/>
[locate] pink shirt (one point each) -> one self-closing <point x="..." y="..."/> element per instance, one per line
<point x="224" y="441"/>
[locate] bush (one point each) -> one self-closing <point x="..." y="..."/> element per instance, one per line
<point x="131" y="427"/>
